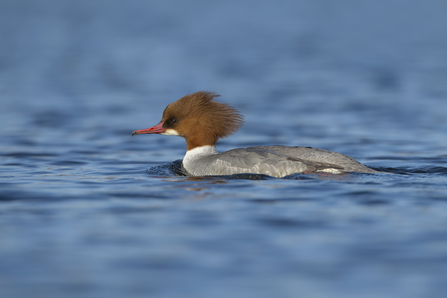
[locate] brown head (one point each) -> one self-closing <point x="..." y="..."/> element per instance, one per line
<point x="199" y="119"/>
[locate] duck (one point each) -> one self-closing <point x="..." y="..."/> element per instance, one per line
<point x="202" y="121"/>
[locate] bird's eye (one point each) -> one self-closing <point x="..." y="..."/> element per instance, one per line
<point x="173" y="120"/>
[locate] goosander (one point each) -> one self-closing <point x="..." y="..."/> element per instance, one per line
<point x="201" y="120"/>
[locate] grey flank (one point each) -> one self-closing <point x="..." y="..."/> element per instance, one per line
<point x="277" y="161"/>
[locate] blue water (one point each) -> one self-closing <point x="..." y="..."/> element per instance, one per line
<point x="86" y="210"/>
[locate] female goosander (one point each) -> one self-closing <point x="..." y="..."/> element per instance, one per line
<point x="202" y="121"/>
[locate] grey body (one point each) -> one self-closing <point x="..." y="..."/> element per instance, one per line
<point x="277" y="161"/>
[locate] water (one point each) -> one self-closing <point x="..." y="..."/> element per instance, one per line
<point x="87" y="210"/>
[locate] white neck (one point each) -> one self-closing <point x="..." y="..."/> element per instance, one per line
<point x="192" y="155"/>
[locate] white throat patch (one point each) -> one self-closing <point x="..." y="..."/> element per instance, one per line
<point x="170" y="132"/>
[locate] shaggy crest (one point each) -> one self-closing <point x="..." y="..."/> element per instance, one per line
<point x="215" y="120"/>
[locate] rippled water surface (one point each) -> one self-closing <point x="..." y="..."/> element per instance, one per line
<point x="86" y="210"/>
